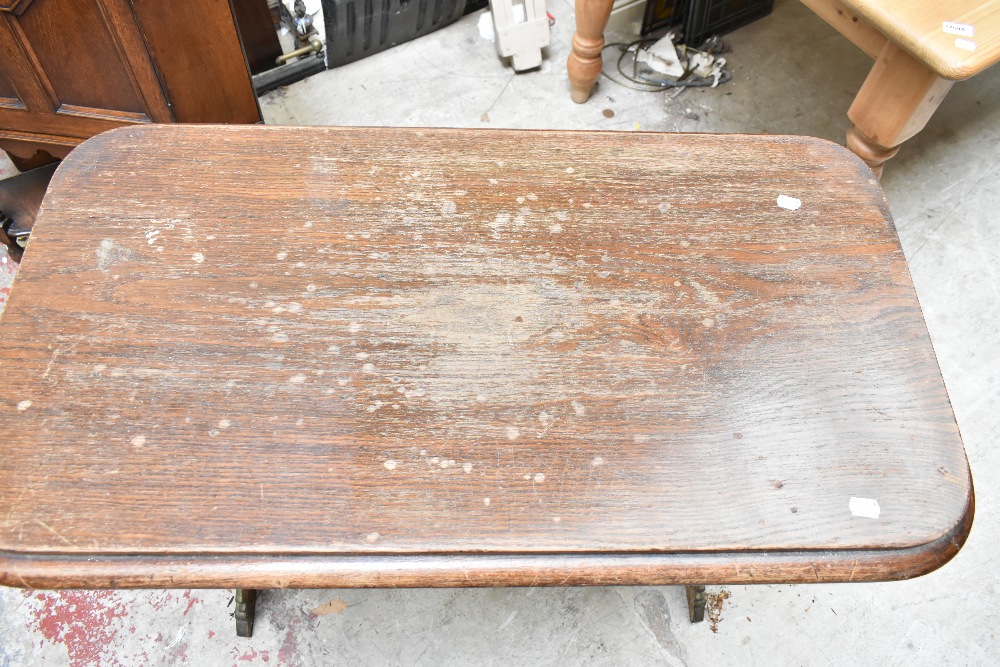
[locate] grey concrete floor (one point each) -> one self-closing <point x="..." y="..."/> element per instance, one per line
<point x="794" y="75"/>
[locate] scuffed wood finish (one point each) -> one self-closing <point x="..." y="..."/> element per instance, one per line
<point x="482" y="570"/>
<point x="473" y="358"/>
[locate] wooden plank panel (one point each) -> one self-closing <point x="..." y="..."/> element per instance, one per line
<point x="8" y="95"/>
<point x="60" y="126"/>
<point x="207" y="81"/>
<point x="43" y="28"/>
<point x="14" y="62"/>
<point x="469" y="342"/>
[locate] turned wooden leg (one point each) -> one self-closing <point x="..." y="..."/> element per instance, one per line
<point x="868" y="150"/>
<point x="896" y="101"/>
<point x="584" y="64"/>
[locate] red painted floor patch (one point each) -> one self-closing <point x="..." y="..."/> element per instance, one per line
<point x="82" y="621"/>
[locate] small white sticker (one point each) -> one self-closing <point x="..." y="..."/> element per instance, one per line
<point x="966" y="44"/>
<point x="957" y="29"/>
<point x="790" y="203"/>
<point x="864" y="507"/>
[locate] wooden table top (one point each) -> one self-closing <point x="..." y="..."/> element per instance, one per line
<point x="965" y="47"/>
<point x="263" y="356"/>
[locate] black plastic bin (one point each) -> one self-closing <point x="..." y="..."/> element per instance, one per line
<point x="717" y="17"/>
<point x="356" y="29"/>
<point x="700" y="19"/>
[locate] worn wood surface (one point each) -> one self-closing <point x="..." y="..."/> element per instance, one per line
<point x="313" y="345"/>
<point x="481" y="569"/>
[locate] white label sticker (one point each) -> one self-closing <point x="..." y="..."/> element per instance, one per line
<point x="790" y="203"/>
<point x="864" y="507"/>
<point x="957" y="29"/>
<point x="965" y="44"/>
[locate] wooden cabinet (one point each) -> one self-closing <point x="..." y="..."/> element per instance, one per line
<point x="70" y="69"/>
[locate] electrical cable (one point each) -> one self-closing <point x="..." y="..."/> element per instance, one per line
<point x="637" y="82"/>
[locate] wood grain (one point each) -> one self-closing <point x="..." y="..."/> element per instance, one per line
<point x="916" y="25"/>
<point x="258" y="34"/>
<point x="916" y="62"/>
<point x="467" y="345"/>
<point x="849" y="24"/>
<point x="123" y="63"/>
<point x="481" y="570"/>
<point x="584" y="64"/>
<point x="207" y="81"/>
<point x="897" y="99"/>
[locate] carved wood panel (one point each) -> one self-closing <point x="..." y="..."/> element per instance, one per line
<point x="74" y="68"/>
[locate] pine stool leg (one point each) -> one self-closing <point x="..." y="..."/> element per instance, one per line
<point x="896" y="101"/>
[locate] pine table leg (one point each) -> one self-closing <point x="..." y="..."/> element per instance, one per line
<point x="584" y="64"/>
<point x="896" y="101"/>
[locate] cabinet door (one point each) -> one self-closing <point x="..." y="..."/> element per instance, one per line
<point x="70" y="69"/>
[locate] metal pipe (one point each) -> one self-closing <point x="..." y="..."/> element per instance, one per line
<point x="315" y="46"/>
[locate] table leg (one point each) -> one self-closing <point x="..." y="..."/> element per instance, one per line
<point x="896" y="101"/>
<point x="584" y="65"/>
<point x="696" y="603"/>
<point x="246" y="608"/>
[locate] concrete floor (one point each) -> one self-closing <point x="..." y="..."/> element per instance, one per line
<point x="792" y="74"/>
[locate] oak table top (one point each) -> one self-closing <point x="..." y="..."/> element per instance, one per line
<point x="268" y="356"/>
